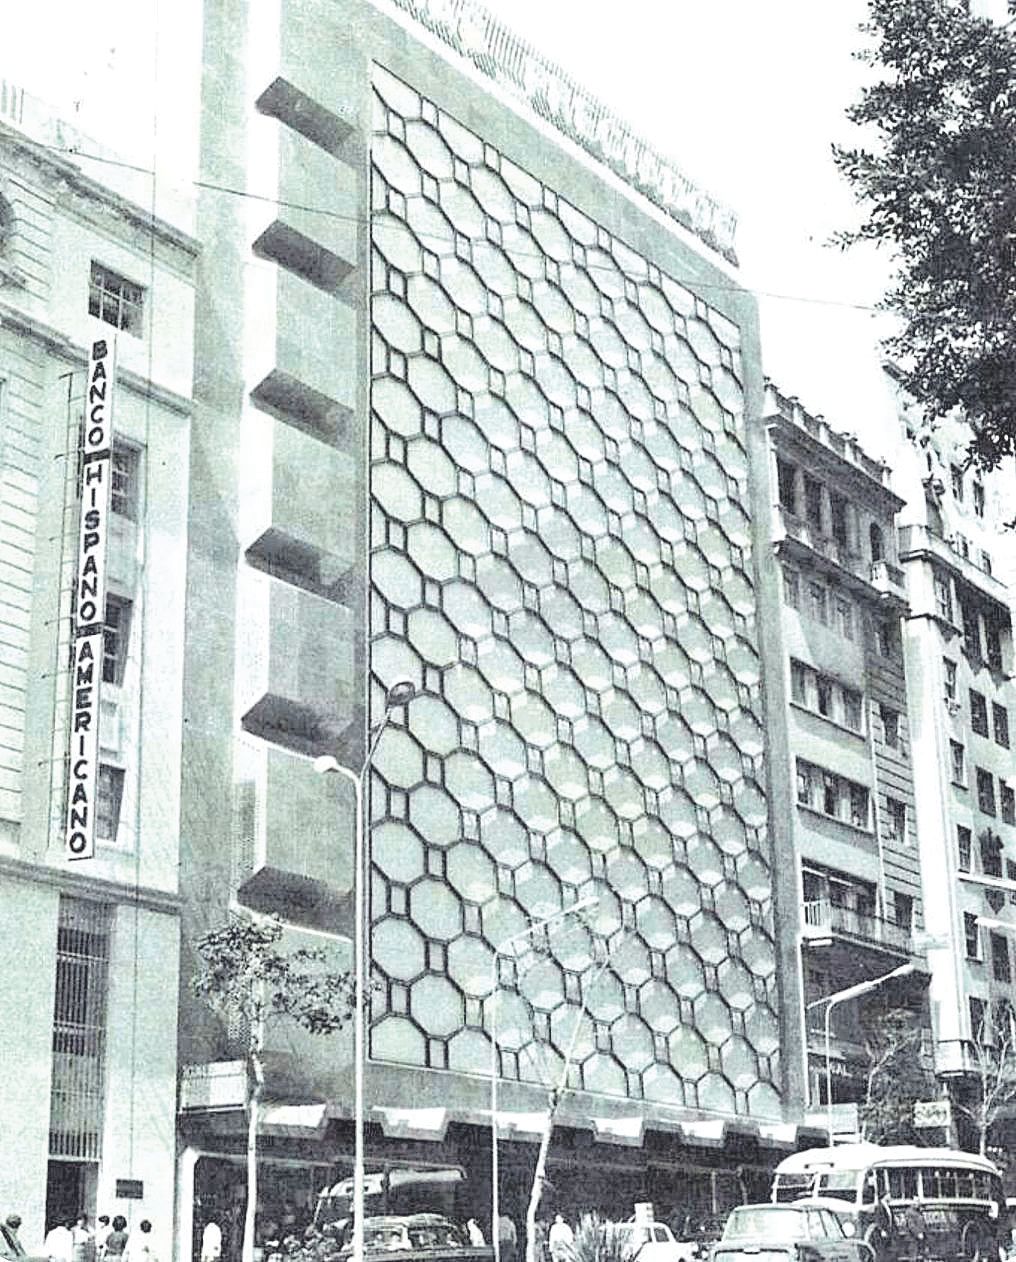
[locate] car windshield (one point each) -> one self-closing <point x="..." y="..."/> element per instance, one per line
<point x="767" y="1222"/>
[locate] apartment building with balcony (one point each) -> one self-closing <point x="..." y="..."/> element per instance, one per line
<point x="853" y="822"/>
<point x="954" y="548"/>
<point x="479" y="410"/>
<point x="89" y="947"/>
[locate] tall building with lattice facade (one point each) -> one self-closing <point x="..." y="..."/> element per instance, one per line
<point x="479" y="411"/>
<point x="89" y="954"/>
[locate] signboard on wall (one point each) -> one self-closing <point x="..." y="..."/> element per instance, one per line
<point x="932" y="1113"/>
<point x="90" y="602"/>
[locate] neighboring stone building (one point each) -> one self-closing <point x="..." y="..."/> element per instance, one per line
<point x="958" y="554"/>
<point x="477" y="413"/>
<point x="854" y="825"/>
<point x="89" y="953"/>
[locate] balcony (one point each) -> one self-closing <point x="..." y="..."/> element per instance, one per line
<point x="295" y="664"/>
<point x="823" y="918"/>
<point x="920" y="542"/>
<point x="292" y="839"/>
<point x="888" y="581"/>
<point x="297" y="503"/>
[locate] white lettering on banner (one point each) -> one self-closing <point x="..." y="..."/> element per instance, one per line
<point x="90" y="604"/>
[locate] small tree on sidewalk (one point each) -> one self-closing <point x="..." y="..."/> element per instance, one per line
<point x="897" y="1076"/>
<point x="993" y="1062"/>
<point x="248" y="978"/>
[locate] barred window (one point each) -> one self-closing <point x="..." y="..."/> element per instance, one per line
<point x="978" y="712"/>
<point x="116" y="637"/>
<point x="115" y="299"/>
<point x="964" y="846"/>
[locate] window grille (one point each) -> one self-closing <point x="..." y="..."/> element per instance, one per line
<point x="79" y="1030"/>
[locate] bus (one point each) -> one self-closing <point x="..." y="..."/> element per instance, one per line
<point x="892" y="1195"/>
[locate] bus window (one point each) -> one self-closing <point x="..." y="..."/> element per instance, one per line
<point x="902" y="1184"/>
<point x="965" y="1184"/>
<point x="841" y="1184"/>
<point x="982" y="1185"/>
<point x="869" y="1189"/>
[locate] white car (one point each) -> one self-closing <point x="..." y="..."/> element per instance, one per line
<point x="654" y="1242"/>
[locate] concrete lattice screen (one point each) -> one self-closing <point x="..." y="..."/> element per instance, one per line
<point x="561" y="562"/>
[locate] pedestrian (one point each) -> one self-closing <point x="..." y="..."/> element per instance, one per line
<point x="10" y="1245"/>
<point x="916" y="1228"/>
<point x="59" y="1242"/>
<point x="102" y="1230"/>
<point x="474" y="1233"/>
<point x="211" y="1241"/>
<point x="507" y="1238"/>
<point x="83" y="1246"/>
<point x="139" y="1244"/>
<point x="561" y="1240"/>
<point x="116" y="1241"/>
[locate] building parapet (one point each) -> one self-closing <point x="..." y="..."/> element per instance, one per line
<point x="817" y="429"/>
<point x="512" y="63"/>
<point x="918" y="541"/>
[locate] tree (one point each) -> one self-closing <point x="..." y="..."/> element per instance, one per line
<point x="939" y="188"/>
<point x="993" y="1062"/>
<point x="249" y="978"/>
<point x="897" y="1076"/>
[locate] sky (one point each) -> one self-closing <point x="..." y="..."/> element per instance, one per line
<point x="746" y="95"/>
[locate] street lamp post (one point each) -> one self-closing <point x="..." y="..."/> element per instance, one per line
<point x="398" y="695"/>
<point x="831" y="1001"/>
<point x="582" y="904"/>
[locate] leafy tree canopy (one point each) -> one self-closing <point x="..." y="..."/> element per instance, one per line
<point x="939" y="186"/>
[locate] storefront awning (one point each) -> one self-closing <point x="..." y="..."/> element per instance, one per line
<point x="296" y="1120"/>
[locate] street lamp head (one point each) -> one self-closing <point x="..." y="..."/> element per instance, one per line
<point x="325" y="763"/>
<point x="400" y="694"/>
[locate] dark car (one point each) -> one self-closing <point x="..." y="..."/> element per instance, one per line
<point x="773" y="1233"/>
<point x="418" y="1238"/>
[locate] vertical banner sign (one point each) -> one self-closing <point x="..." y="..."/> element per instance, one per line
<point x="90" y="603"/>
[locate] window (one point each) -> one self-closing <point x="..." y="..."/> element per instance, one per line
<point x="123" y="493"/>
<point x="972" y="933"/>
<point x="830" y="794"/>
<point x="824" y="693"/>
<point x="791" y="588"/>
<point x="1007" y="802"/>
<point x="943" y="597"/>
<point x="858" y="805"/>
<point x="956" y="481"/>
<point x="805" y="783"/>
<point x="887" y="636"/>
<point x="78" y="1089"/>
<point x="890" y="726"/>
<point x="971" y="631"/>
<point x="1000" y="719"/>
<point x="1000" y="966"/>
<point x="116" y="635"/>
<point x="962" y="545"/>
<point x="978" y="713"/>
<point x="964" y="845"/>
<point x="786" y="476"/>
<point x="978" y="1028"/>
<point x="813" y="502"/>
<point x="978" y="493"/>
<point x="949" y="673"/>
<point x="903" y="909"/>
<point x="838" y="519"/>
<point x="115" y="299"/>
<point x="845" y="618"/>
<point x="991" y="853"/>
<point x="993" y="646"/>
<point x="799" y="682"/>
<point x="957" y="762"/>
<point x="895" y="819"/>
<point x="985" y="561"/>
<point x="107" y="806"/>
<point x="852" y="710"/>
<point x="1010" y="873"/>
<point x="818" y="601"/>
<point x="985" y="791"/>
<point x="875" y="542"/>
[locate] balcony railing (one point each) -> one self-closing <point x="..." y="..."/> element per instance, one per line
<point x="821" y="914"/>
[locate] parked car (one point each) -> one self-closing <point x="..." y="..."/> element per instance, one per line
<point x="773" y="1232"/>
<point x="418" y="1238"/>
<point x="654" y="1242"/>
